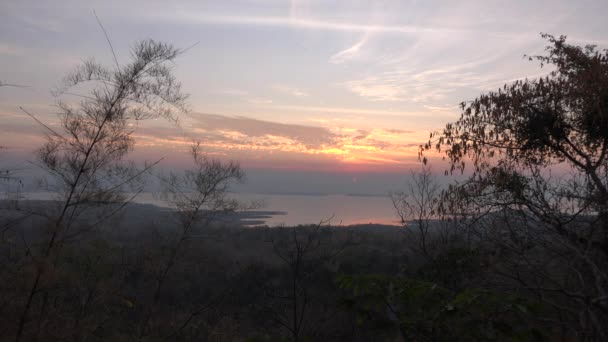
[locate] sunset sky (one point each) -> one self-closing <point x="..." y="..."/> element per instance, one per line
<point x="321" y="92"/>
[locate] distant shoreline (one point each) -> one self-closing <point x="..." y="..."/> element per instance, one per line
<point x="245" y="218"/>
<point x="291" y="209"/>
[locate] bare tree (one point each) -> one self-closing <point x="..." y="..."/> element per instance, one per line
<point x="8" y="173"/>
<point x="417" y="206"/>
<point x="198" y="195"/>
<point x="86" y="159"/>
<point x="429" y="227"/>
<point x="305" y="252"/>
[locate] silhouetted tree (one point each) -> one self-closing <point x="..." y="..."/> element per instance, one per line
<point x="539" y="149"/>
<point x="417" y="207"/>
<point x="305" y="252"/>
<point x="86" y="159"/>
<point x="197" y="195"/>
<point x="7" y="173"/>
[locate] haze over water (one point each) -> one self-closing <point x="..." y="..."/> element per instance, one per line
<point x="297" y="209"/>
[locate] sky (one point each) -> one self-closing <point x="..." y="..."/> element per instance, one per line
<point x="308" y="95"/>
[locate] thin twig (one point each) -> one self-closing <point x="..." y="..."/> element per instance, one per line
<point x="107" y="39"/>
<point x="42" y="123"/>
<point x="2" y="84"/>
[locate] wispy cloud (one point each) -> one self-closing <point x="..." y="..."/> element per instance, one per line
<point x="347" y="110"/>
<point x="376" y="89"/>
<point x="11" y="49"/>
<point x="245" y="96"/>
<point x="293" y="91"/>
<point x="440" y="108"/>
<point x="431" y="81"/>
<point x="296" y="22"/>
<point x="235" y="92"/>
<point x="259" y="101"/>
<point x="351" y="52"/>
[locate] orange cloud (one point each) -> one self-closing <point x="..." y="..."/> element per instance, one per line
<point x="277" y="145"/>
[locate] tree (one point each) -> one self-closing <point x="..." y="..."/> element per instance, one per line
<point x="540" y="179"/>
<point x="294" y="296"/>
<point x="197" y="195"/>
<point x="87" y="158"/>
<point x="7" y="174"/>
<point x="417" y="207"/>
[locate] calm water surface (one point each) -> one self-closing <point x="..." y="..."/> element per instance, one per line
<point x="302" y="209"/>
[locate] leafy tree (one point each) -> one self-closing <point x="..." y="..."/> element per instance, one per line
<point x="539" y="150"/>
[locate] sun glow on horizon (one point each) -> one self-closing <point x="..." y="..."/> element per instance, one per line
<point x="280" y="145"/>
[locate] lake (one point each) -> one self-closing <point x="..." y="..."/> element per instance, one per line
<point x="302" y="209"/>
